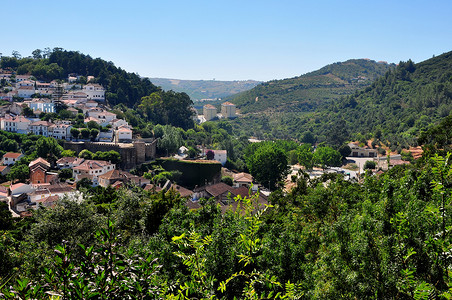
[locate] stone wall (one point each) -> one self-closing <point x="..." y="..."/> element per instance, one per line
<point x="132" y="154"/>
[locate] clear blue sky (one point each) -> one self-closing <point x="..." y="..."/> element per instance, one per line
<point x="230" y="40"/>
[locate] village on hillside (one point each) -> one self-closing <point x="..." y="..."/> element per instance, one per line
<point x="26" y="100"/>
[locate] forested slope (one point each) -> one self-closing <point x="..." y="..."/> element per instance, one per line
<point x="308" y="91"/>
<point x="394" y="108"/>
<point x="404" y="102"/>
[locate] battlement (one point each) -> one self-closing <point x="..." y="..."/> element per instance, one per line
<point x="132" y="154"/>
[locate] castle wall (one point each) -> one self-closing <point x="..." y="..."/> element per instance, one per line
<point x="132" y="154"/>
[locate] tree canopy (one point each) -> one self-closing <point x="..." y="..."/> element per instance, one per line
<point x="267" y="163"/>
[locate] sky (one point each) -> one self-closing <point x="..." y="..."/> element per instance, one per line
<point x="230" y="40"/>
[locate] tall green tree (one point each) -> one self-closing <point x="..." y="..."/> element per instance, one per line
<point x="327" y="157"/>
<point x="267" y="163"/>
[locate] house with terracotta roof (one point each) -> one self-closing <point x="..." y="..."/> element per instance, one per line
<point x="10" y="158"/>
<point x="39" y="172"/>
<point x="243" y="179"/>
<point x="26" y="91"/>
<point x="113" y="176"/>
<point x="60" y="131"/>
<point x="92" y="169"/>
<point x="94" y="92"/>
<point x="68" y="162"/>
<point x="59" y="190"/>
<point x="123" y="134"/>
<point x="209" y="112"/>
<point x="228" y="110"/>
<point x="40" y="128"/>
<point x="4" y="170"/>
<point x="18" y="124"/>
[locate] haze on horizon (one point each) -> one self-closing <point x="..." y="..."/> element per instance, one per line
<point x="231" y="40"/>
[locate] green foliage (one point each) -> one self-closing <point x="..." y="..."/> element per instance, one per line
<point x="86" y="154"/>
<point x="194" y="173"/>
<point x="267" y="162"/>
<point x="306" y="156"/>
<point x="170" y="141"/>
<point x="19" y="172"/>
<point x="327" y="157"/>
<point x="68" y="153"/>
<point x="167" y="108"/>
<point x="370" y="165"/>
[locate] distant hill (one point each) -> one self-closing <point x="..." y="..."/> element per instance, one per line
<point x="407" y="100"/>
<point x="205" y="89"/>
<point x="393" y="108"/>
<point x="306" y="92"/>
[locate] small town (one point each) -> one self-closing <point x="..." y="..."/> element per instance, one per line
<point x="29" y="99"/>
<point x="254" y="150"/>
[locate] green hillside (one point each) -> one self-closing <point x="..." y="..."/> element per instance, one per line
<point x="205" y="89"/>
<point x="46" y="65"/>
<point x="394" y="108"/>
<point x="308" y="91"/>
<point x="404" y="102"/>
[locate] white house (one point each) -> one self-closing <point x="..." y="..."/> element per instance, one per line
<point x="219" y="155"/>
<point x="228" y="110"/>
<point x="23" y="83"/>
<point x="26" y="91"/>
<point x="104" y="116"/>
<point x="44" y="106"/>
<point x="209" y="112"/>
<point x="10" y="158"/>
<point x="60" y="131"/>
<point x="92" y="169"/>
<point x="43" y="192"/>
<point x="116" y="123"/>
<point x="18" y="124"/>
<point x="40" y="128"/>
<point x="94" y="92"/>
<point x="123" y="133"/>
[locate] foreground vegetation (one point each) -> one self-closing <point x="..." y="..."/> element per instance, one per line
<point x="387" y="237"/>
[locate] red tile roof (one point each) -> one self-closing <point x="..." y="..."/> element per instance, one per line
<point x="12" y="155"/>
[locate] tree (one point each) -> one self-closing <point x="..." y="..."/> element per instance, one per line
<point x="28" y="112"/>
<point x="267" y="164"/>
<point x="19" y="172"/>
<point x="85" y="133"/>
<point x="48" y="148"/>
<point x="68" y="153"/>
<point x="327" y="157"/>
<point x="92" y="124"/>
<point x="94" y="133"/>
<point x="369" y="165"/>
<point x="16" y="54"/>
<point x="170" y="141"/>
<point x="37" y="54"/>
<point x="75" y="133"/>
<point x="65" y="174"/>
<point x="345" y="150"/>
<point x="306" y="156"/>
<point x="86" y="154"/>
